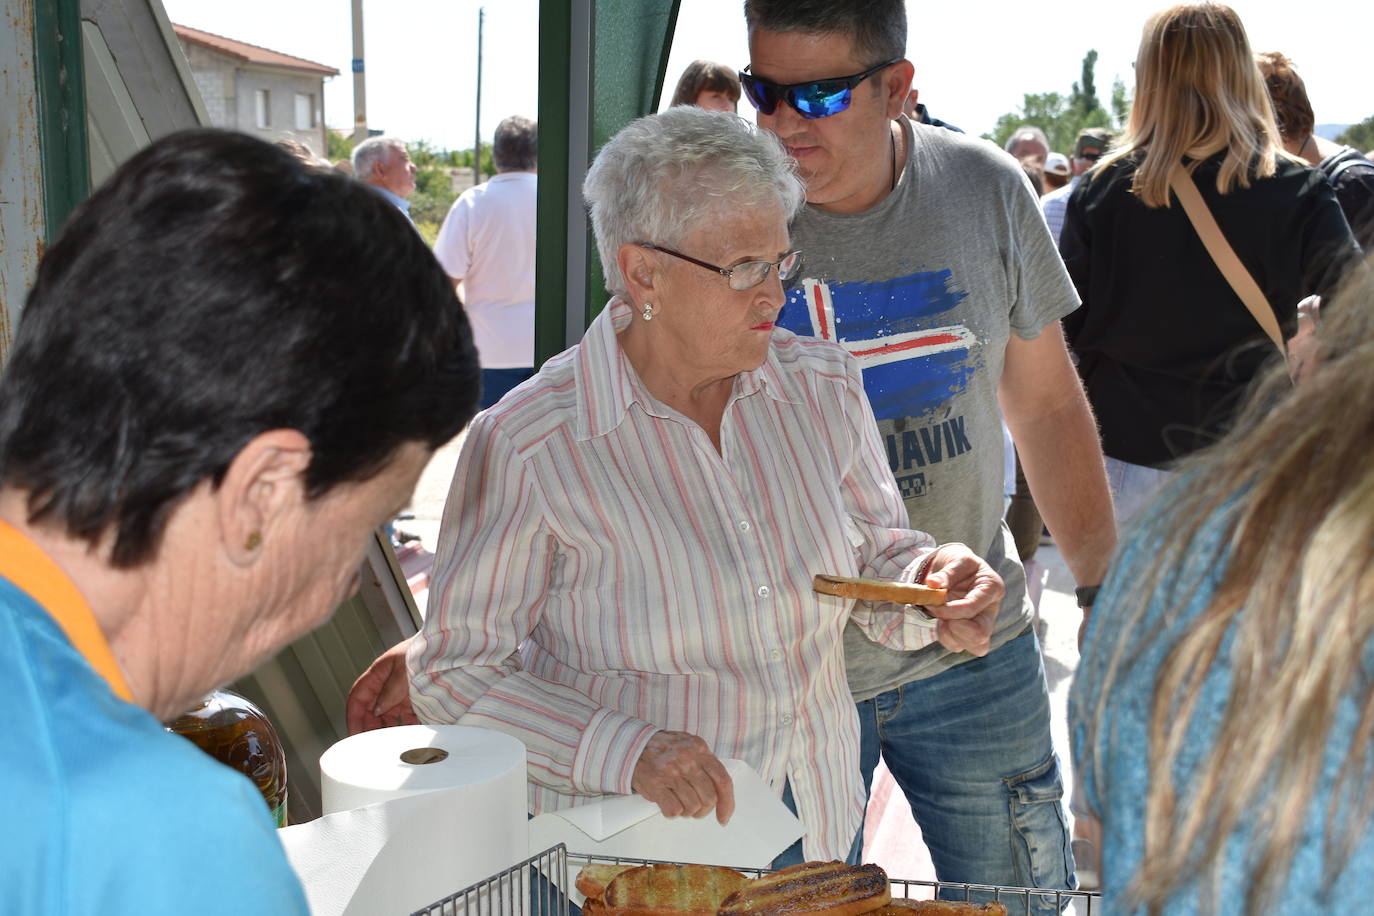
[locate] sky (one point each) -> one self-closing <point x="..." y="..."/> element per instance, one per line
<point x="974" y="59"/>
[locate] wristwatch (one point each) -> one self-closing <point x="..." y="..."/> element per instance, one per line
<point x="1086" y="594"/>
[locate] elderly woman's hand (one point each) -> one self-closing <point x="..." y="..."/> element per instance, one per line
<point x="380" y="697"/>
<point x="678" y="772"/>
<point x="967" y="619"/>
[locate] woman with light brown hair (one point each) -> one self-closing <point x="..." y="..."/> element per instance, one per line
<point x="707" y="84"/>
<point x="1223" y="711"/>
<point x="1166" y="347"/>
<point x="1350" y="173"/>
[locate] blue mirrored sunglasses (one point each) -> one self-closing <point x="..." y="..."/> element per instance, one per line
<point x="816" y="99"/>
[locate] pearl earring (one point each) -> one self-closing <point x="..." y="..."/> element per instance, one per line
<point x="648" y="311"/>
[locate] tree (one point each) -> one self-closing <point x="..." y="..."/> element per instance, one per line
<point x="1084" y="99"/>
<point x="1061" y="117"/>
<point x="1121" y="103"/>
<point x="434" y="192"/>
<point x="462" y="159"/>
<point x="1360" y="136"/>
<point x="337" y="146"/>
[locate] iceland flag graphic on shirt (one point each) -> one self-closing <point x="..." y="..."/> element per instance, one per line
<point x="915" y="357"/>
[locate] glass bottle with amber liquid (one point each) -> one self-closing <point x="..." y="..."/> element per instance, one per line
<point x="235" y="732"/>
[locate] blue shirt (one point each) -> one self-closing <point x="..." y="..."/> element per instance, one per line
<point x="1120" y="754"/>
<point x="106" y="812"/>
<point x="1055" y="204"/>
<point x="400" y="202"/>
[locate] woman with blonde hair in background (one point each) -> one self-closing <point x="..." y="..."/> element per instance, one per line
<point x="707" y="84"/>
<point x="1223" y="711"/>
<point x="1166" y="348"/>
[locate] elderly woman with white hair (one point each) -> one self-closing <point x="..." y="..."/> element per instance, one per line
<point x="624" y="572"/>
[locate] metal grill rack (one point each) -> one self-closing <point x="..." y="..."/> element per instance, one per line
<point x="525" y="889"/>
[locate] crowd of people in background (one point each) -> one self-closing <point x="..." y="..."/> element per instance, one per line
<point x="849" y="339"/>
<point x="1156" y="345"/>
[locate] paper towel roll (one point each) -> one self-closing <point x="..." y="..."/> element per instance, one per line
<point x="399" y="852"/>
<point x="389" y="763"/>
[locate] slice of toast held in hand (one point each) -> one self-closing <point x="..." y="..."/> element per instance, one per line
<point x="671" y="890"/>
<point x="902" y="907"/>
<point x="877" y="590"/>
<point x="594" y="877"/>
<point x="832" y="888"/>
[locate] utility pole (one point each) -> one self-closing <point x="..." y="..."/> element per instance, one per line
<point x="359" y="77"/>
<point x="477" y="141"/>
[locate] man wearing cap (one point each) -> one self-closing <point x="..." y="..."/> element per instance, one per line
<point x="1057" y="171"/>
<point x="1087" y="149"/>
<point x="928" y="259"/>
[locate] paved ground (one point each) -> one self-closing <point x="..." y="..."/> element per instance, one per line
<point x="892" y="838"/>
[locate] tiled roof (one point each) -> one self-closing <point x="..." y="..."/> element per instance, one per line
<point x="242" y="50"/>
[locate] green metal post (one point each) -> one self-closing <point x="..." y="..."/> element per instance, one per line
<point x="61" y="109"/>
<point x="601" y="65"/>
<point x="551" y="259"/>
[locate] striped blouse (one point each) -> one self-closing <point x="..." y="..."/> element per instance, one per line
<point x="603" y="573"/>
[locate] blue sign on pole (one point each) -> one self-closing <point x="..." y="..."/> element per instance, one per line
<point x="357" y="65"/>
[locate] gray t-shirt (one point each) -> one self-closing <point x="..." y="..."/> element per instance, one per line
<point x="925" y="289"/>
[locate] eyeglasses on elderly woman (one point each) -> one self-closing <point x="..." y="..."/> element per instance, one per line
<point x="746" y="275"/>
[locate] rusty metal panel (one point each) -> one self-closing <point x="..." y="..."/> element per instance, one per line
<point x="22" y="222"/>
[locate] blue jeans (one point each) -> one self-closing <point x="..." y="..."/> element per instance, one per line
<point x="792" y="855"/>
<point x="971" y="749"/>
<point x="1134" y="487"/>
<point x="496" y="382"/>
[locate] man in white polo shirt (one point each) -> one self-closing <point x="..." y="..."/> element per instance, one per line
<point x="487" y="246"/>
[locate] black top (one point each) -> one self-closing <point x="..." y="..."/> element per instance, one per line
<point x="1352" y="175"/>
<point x="923" y="117"/>
<point x="1165" y="348"/>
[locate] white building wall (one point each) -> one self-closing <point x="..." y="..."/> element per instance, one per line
<point x="230" y="89"/>
<point x="282" y="89"/>
<point x="214" y="76"/>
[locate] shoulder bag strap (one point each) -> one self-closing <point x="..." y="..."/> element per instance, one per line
<point x="1348" y="163"/>
<point x="1223" y="255"/>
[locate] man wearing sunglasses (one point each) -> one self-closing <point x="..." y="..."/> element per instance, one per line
<point x="1087" y="149"/>
<point x="928" y="258"/>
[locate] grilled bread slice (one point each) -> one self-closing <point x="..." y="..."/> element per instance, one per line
<point x="671" y="890"/>
<point x="832" y="888"/>
<point x="902" y="907"/>
<point x="878" y="590"/>
<point x="594" y="877"/>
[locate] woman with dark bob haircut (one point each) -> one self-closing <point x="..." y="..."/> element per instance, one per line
<point x="707" y="84"/>
<point x="231" y="368"/>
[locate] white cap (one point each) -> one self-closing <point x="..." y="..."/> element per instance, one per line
<point x="1057" y="164"/>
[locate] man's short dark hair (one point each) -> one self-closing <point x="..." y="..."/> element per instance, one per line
<point x="214" y="289"/>
<point x="876" y="27"/>
<point x="515" y="148"/>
